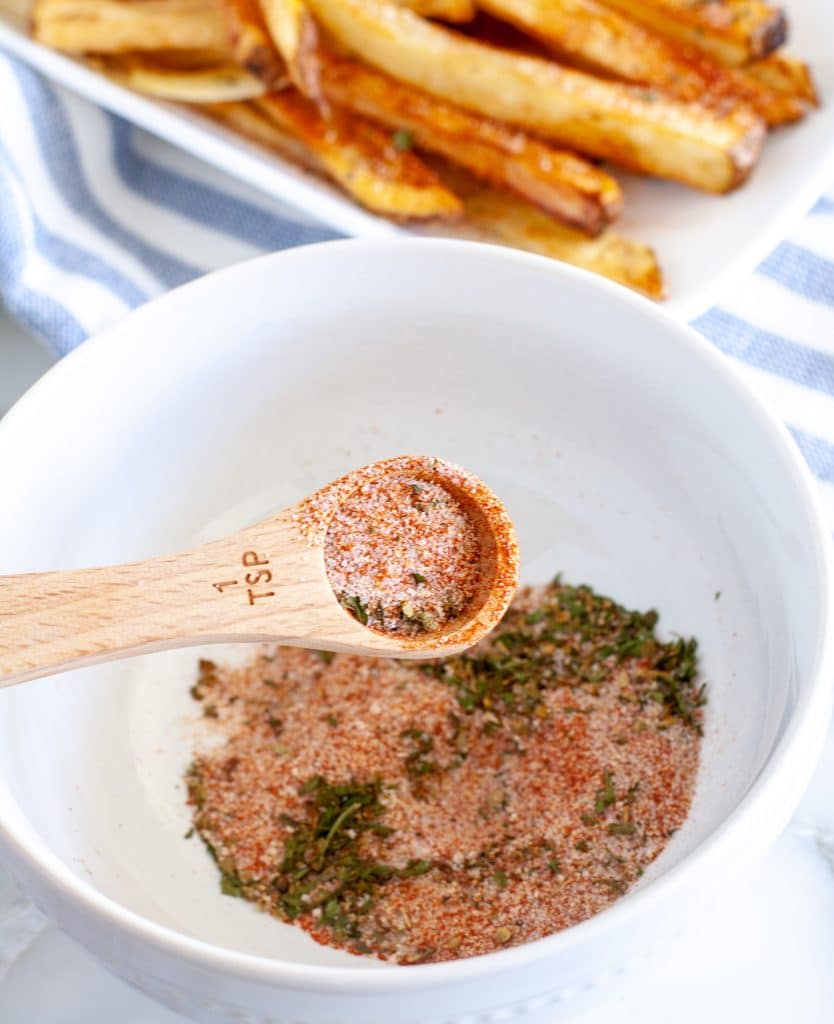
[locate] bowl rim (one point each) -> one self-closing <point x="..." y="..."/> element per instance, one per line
<point x="753" y="816"/>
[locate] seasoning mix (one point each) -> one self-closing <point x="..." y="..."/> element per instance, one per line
<point x="425" y="812"/>
<point x="403" y="555"/>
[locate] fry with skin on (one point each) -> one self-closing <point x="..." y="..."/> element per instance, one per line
<point x="295" y="35"/>
<point x="707" y="149"/>
<point x="732" y="32"/>
<point x="786" y="74"/>
<point x="492" y="215"/>
<point x="252" y="44"/>
<point x="601" y="39"/>
<point x="363" y="160"/>
<point x="218" y="84"/>
<point x="497" y="216"/>
<point x="111" y="26"/>
<point x="244" y="119"/>
<point x="562" y="183"/>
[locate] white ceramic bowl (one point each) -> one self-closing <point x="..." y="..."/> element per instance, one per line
<point x="630" y="456"/>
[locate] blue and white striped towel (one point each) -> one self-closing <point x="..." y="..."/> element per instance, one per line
<point x="96" y="217"/>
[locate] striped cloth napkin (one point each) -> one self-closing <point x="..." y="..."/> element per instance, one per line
<point x="96" y="217"/>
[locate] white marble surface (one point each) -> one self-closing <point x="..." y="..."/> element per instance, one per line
<point x="765" y="956"/>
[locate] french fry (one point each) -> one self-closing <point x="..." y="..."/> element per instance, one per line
<point x="785" y="74"/>
<point x="500" y="217"/>
<point x="363" y="160"/>
<point x="732" y="32"/>
<point x="706" y="149"/>
<point x="287" y="125"/>
<point x="112" y="26"/>
<point x="444" y="10"/>
<point x="294" y="32"/>
<point x="603" y="40"/>
<point x="244" y="119"/>
<point x="568" y="187"/>
<point x="220" y="84"/>
<point x="252" y="44"/>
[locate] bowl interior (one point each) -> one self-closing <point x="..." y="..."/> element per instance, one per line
<point x="628" y="456"/>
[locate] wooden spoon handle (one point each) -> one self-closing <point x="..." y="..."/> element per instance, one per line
<point x="57" y="620"/>
<point x="261" y="584"/>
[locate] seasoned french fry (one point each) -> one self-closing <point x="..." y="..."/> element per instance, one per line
<point x="113" y="26"/>
<point x="601" y="39"/>
<point x="500" y="217"/>
<point x="647" y="133"/>
<point x="444" y="10"/>
<point x="293" y="29"/>
<point x="568" y="187"/>
<point x="245" y="120"/>
<point x="785" y="74"/>
<point x="363" y="160"/>
<point x="252" y="44"/>
<point x="220" y="84"/>
<point x="776" y="107"/>
<point x="732" y="32"/>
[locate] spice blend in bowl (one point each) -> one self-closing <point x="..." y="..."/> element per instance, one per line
<point x="437" y="811"/>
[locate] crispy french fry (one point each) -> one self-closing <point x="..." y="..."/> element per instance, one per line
<point x="647" y="133"/>
<point x="245" y="120"/>
<point x="363" y="160"/>
<point x="219" y="84"/>
<point x="776" y="107"/>
<point x="444" y="10"/>
<point x="785" y="74"/>
<point x="603" y="40"/>
<point x="732" y="32"/>
<point x="113" y="26"/>
<point x="497" y="216"/>
<point x="252" y="44"/>
<point x="568" y="187"/>
<point x="294" y="32"/>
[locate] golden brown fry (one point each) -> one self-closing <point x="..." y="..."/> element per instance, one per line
<point x="732" y="32"/>
<point x="245" y="120"/>
<point x="785" y="74"/>
<point x="294" y="32"/>
<point x="252" y="44"/>
<point x="777" y="108"/>
<point x="603" y="40"/>
<point x="500" y="217"/>
<point x="568" y="187"/>
<point x="363" y="160"/>
<point x="622" y="123"/>
<point x="219" y="84"/>
<point x="113" y="26"/>
<point x="444" y="10"/>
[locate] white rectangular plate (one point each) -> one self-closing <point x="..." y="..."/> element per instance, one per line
<point x="704" y="242"/>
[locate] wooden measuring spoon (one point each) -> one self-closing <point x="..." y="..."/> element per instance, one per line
<point x="265" y="583"/>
